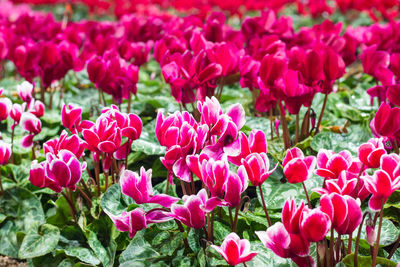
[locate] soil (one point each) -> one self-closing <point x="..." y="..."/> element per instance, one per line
<point x="10" y="262"/>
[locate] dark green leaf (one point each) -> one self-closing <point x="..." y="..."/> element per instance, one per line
<point x="40" y="243"/>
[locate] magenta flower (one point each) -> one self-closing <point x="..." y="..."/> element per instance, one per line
<point x="25" y="91"/>
<point x="192" y="212"/>
<point x="255" y="143"/>
<point x="235" y="185"/>
<point x="235" y="250"/>
<point x="335" y="206"/>
<point x="71" y="118"/>
<point x="386" y="121"/>
<point x="384" y="181"/>
<point x="5" y="152"/>
<point x="16" y="112"/>
<point x="375" y="63"/>
<point x="314" y="225"/>
<point x="72" y="143"/>
<point x="296" y="167"/>
<point x="36" y="107"/>
<point x="331" y="164"/>
<point x="371" y="152"/>
<point x="141" y="190"/>
<point x="57" y="172"/>
<point x="284" y="244"/>
<point x="256" y="167"/>
<point x="5" y="108"/>
<point x="31" y="124"/>
<point x="215" y="174"/>
<point x="344" y="185"/>
<point x="180" y="130"/>
<point x="353" y="218"/>
<point x="137" y="219"/>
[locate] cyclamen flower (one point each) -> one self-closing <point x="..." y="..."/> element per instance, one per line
<point x="5" y="152"/>
<point x="255" y="143"/>
<point x="192" y="212"/>
<point x="140" y="189"/>
<point x="36" y="107"/>
<point x="370" y="153"/>
<point x="31" y="124"/>
<point x="25" y="91"/>
<point x="296" y="167"/>
<point x="386" y="121"/>
<point x="256" y="167"/>
<point x="5" y="108"/>
<point x="137" y="219"/>
<point x="72" y="143"/>
<point x="330" y="165"/>
<point x="384" y="181"/>
<point x="235" y="250"/>
<point x="57" y="172"/>
<point x="71" y="117"/>
<point x="344" y="212"/>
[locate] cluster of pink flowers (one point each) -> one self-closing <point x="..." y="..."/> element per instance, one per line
<point x="26" y="114"/>
<point x="375" y="9"/>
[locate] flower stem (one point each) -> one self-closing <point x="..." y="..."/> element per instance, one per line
<point x="71" y="206"/>
<point x="296" y="140"/>
<point x="1" y="185"/>
<point x="305" y="191"/>
<point x="356" y="190"/>
<point x="322" y="112"/>
<point x="180" y="226"/>
<point x="331" y="247"/>
<point x="88" y="200"/>
<point x="285" y="130"/>
<point x="264" y="206"/>
<point x="396" y="245"/>
<point x="350" y="243"/>
<point x="358" y="240"/>
<point x="271" y="123"/>
<point x="230" y="218"/>
<point x="376" y="247"/>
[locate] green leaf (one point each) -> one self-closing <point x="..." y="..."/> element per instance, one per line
<point x="8" y="240"/>
<point x="276" y="193"/>
<point x="267" y="258"/>
<point x="40" y="243"/>
<point x="389" y="233"/>
<point x="114" y="201"/>
<point x="138" y="253"/>
<point x="83" y="254"/>
<point x="194" y="238"/>
<point x="66" y="263"/>
<point x="148" y="143"/>
<point x="98" y="249"/>
<point x="351" y="141"/>
<point x="367" y="261"/>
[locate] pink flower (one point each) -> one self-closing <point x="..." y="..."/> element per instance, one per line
<point x="375" y="63"/>
<point x="71" y="117"/>
<point x="25" y="91"/>
<point x="353" y="218"/>
<point x="72" y="143"/>
<point x="214" y="175"/>
<point x="36" y="107"/>
<point x="370" y="231"/>
<point x="344" y="185"/>
<point x="235" y="185"/>
<point x="16" y="112"/>
<point x="315" y="224"/>
<point x="330" y="164"/>
<point x="182" y="132"/>
<point x="140" y="189"/>
<point x="57" y="172"/>
<point x="31" y="124"/>
<point x="5" y="108"/>
<point x="296" y="167"/>
<point x="256" y="167"/>
<point x="255" y="143"/>
<point x="5" y="152"/>
<point x="235" y="250"/>
<point x="384" y="181"/>
<point x="371" y="152"/>
<point x="386" y="121"/>
<point x="137" y="219"/>
<point x="192" y="212"/>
